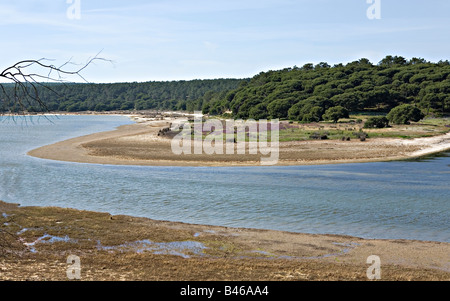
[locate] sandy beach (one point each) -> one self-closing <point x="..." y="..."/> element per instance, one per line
<point x="139" y="144"/>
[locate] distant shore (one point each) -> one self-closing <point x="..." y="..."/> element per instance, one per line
<point x="139" y="144"/>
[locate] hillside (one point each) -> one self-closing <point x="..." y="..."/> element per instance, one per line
<point x="305" y="93"/>
<point x="71" y="97"/>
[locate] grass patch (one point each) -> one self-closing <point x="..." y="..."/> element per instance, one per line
<point x="345" y="129"/>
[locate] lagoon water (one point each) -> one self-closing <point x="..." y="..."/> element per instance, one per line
<point x="386" y="200"/>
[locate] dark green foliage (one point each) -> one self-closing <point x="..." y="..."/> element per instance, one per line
<point x="376" y="122"/>
<point x="309" y="110"/>
<point x="176" y="95"/>
<point x="313" y="114"/>
<point x="336" y="113"/>
<point x="279" y="109"/>
<point x="258" y="112"/>
<point x="404" y="114"/>
<point x="359" y="86"/>
<point x="301" y="94"/>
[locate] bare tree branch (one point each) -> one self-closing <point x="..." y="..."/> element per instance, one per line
<point x="24" y="91"/>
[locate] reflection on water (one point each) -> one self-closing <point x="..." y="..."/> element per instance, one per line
<point x="429" y="158"/>
<point x="403" y="199"/>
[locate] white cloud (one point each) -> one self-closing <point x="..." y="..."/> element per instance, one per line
<point x="175" y="38"/>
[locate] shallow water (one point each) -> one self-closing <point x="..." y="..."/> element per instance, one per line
<point x="177" y="248"/>
<point x="403" y="199"/>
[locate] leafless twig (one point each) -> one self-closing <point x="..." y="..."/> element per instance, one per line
<point x="23" y="91"/>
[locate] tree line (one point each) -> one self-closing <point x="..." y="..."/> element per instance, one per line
<point x="76" y="97"/>
<point x="304" y="94"/>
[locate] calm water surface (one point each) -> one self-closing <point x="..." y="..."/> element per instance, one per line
<point x="406" y="199"/>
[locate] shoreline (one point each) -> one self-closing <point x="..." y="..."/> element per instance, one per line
<point x="139" y="144"/>
<point x="119" y="247"/>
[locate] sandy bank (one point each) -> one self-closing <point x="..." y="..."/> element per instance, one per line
<point x="139" y="144"/>
<point x="130" y="248"/>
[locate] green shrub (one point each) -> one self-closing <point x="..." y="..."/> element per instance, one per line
<point x="376" y="122"/>
<point x="404" y="114"/>
<point x="336" y="113"/>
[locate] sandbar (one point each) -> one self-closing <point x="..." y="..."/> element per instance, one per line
<point x="139" y="144"/>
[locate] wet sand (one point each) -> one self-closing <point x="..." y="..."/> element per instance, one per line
<point x="139" y="144"/>
<point x="123" y="248"/>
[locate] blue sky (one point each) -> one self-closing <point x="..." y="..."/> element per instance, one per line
<point x="206" y="39"/>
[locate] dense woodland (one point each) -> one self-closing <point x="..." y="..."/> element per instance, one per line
<point x="71" y="97"/>
<point x="304" y="94"/>
<point x="299" y="93"/>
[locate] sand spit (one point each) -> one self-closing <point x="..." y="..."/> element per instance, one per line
<point x="139" y="144"/>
